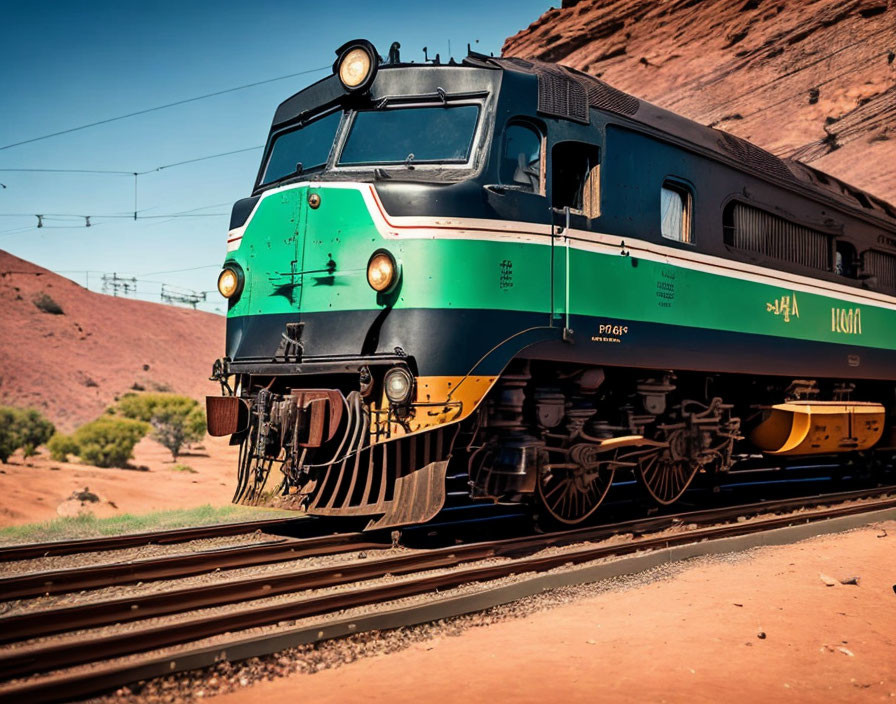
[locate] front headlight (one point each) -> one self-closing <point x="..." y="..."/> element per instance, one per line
<point x="230" y="281"/>
<point x="399" y="385"/>
<point x="382" y="271"/>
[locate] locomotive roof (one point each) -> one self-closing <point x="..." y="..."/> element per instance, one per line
<point x="568" y="93"/>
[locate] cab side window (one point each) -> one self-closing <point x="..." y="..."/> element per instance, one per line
<point x="575" y="178"/>
<point x="521" y="160"/>
<point x="675" y="212"/>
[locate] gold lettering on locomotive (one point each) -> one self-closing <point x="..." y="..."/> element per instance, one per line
<point x="847" y="321"/>
<point x="785" y="306"/>
<point x="609" y="333"/>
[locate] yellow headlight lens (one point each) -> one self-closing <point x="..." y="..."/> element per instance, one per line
<point x="381" y="272"/>
<point x="228" y="283"/>
<point x="354" y="68"/>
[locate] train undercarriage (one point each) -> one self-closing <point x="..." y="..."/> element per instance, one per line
<point x="547" y="435"/>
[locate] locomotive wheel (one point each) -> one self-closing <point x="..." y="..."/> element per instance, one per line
<point x="571" y="492"/>
<point x="664" y="478"/>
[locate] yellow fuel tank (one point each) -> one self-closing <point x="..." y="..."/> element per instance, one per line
<point x="818" y="427"/>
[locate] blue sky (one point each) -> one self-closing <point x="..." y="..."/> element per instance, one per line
<point x="64" y="64"/>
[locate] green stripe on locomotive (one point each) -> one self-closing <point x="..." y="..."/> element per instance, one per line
<point x="477" y="273"/>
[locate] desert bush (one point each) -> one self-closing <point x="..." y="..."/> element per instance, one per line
<point x="108" y="441"/>
<point x="26" y="429"/>
<point x="34" y="430"/>
<point x="177" y="421"/>
<point x="61" y="446"/>
<point x="47" y="304"/>
<point x="9" y="432"/>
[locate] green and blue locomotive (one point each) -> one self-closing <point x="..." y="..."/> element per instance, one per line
<point x="510" y="272"/>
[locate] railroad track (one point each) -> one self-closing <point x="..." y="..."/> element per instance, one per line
<point x="317" y="591"/>
<point x="119" y="542"/>
<point x="171" y="566"/>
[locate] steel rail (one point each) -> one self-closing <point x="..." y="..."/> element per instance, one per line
<point x="28" y="551"/>
<point x="57" y="620"/>
<point x="100" y="677"/>
<point x="252" y="555"/>
<point x="86" y="648"/>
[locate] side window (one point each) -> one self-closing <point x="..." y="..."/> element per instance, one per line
<point x="846" y="260"/>
<point x="675" y="212"/>
<point x="521" y="158"/>
<point x="575" y="177"/>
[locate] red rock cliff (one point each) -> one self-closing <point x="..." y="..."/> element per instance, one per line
<point x="813" y="80"/>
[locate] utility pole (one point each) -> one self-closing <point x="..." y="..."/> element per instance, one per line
<point x="117" y="284"/>
<point x="185" y="296"/>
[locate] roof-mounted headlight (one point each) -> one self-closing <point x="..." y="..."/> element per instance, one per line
<point x="356" y="65"/>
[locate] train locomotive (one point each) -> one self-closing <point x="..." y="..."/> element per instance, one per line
<point x="510" y="274"/>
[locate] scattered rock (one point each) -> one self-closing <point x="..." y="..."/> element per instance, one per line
<point x="846" y="651"/>
<point x="85" y="495"/>
<point x="78" y="503"/>
<point x="761" y="635"/>
<point x="850" y="580"/>
<point x="828" y="581"/>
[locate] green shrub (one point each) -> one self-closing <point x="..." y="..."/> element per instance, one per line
<point x="34" y="431"/>
<point x="185" y="468"/>
<point x="9" y="432"/>
<point x="47" y="304"/>
<point x="26" y="429"/>
<point x="177" y="421"/>
<point x="61" y="446"/>
<point x="109" y="442"/>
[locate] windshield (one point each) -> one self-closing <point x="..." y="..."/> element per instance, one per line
<point x="404" y="135"/>
<point x="303" y="149"/>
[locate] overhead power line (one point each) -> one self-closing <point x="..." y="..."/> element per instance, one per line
<point x="132" y="172"/>
<point x="129" y="217"/>
<point x="71" y="171"/>
<point x="201" y="158"/>
<point x="178" y="271"/>
<point x="161" y="107"/>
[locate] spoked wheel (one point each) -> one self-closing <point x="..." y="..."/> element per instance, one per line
<point x="572" y="491"/>
<point x="664" y="478"/>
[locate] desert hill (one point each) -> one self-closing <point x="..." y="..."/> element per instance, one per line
<point x="72" y="365"/>
<point x="813" y="80"/>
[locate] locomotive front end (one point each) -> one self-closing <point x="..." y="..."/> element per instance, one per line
<point x="338" y="387"/>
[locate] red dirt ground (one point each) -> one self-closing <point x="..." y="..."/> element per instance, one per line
<point x="72" y="366"/>
<point x="38" y="489"/>
<point x="748" y="67"/>
<point x="692" y="638"/>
